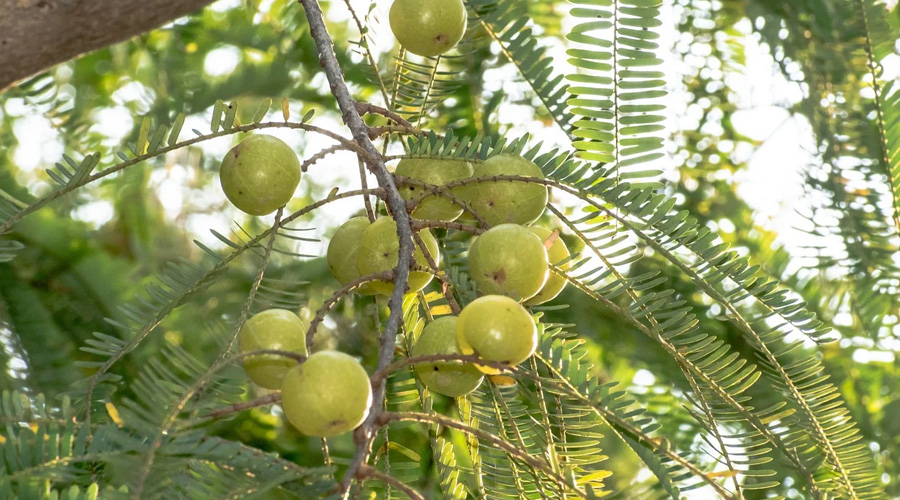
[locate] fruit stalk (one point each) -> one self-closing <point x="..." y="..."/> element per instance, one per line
<point x="360" y="131"/>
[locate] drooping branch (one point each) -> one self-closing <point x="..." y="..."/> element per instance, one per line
<point x="36" y="34"/>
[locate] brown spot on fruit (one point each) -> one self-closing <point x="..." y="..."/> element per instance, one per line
<point x="499" y="276"/>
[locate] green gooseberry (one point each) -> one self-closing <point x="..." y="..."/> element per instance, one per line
<point x="275" y="329"/>
<point x="342" y="251"/>
<point x="326" y="396"/>
<point x="437" y="172"/>
<point x="496" y="328"/>
<point x="428" y="27"/>
<point x="380" y="251"/>
<point x="260" y="174"/>
<point x="504" y="201"/>
<point x="508" y="260"/>
<point x="558" y="252"/>
<point x="449" y="379"/>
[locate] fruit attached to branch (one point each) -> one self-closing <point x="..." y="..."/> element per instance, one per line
<point x="274" y="329"/>
<point x="506" y="201"/>
<point x="437" y="172"/>
<point x="508" y="260"/>
<point x="428" y="27"/>
<point x="496" y="328"/>
<point x="260" y="174"/>
<point x="447" y="378"/>
<point x="328" y="395"/>
<point x="379" y="252"/>
<point x="557" y="253"/>
<point x="342" y="251"/>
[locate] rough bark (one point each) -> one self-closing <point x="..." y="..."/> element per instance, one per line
<point x="36" y="34"/>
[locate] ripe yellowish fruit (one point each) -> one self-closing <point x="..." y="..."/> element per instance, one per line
<point x="496" y="328"/>
<point x="327" y="395"/>
<point x="260" y="174"/>
<point x="437" y="172"/>
<point x="447" y="378"/>
<point x="380" y="251"/>
<point x="342" y="251"/>
<point x="558" y="252"/>
<point x="508" y="260"/>
<point x="503" y="201"/>
<point x="428" y="27"/>
<point x="275" y="329"/>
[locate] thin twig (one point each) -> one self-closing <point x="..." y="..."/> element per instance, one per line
<point x="336" y="296"/>
<point x="367" y="108"/>
<point x="371" y="472"/>
<point x="435" y="270"/>
<point x="245" y="405"/>
<point x="312" y="160"/>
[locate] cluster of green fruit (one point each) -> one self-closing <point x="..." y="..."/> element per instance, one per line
<point x="326" y="395"/>
<point x="509" y="263"/>
<point x="330" y="392"/>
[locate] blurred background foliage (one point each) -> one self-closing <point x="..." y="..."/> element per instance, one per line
<point x="90" y="253"/>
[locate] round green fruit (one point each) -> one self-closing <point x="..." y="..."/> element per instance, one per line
<point x="327" y="395"/>
<point x="500" y="202"/>
<point x="508" y="260"/>
<point x="449" y="379"/>
<point x="436" y="172"/>
<point x="260" y="174"/>
<point x="496" y="328"/>
<point x="428" y="27"/>
<point x="342" y="251"/>
<point x="276" y="329"/>
<point x="557" y="253"/>
<point x="380" y="250"/>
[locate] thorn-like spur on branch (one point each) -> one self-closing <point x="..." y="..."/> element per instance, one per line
<point x="365" y="435"/>
<point x="369" y="472"/>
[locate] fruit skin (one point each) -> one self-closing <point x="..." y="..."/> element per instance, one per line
<point x="277" y="329"/>
<point x="327" y="395"/>
<point x="557" y="253"/>
<point x="428" y="27"/>
<point x="260" y="174"/>
<point x="447" y="378"/>
<point x="437" y="172"/>
<point x="506" y="201"/>
<point x="380" y="250"/>
<point x="342" y="251"/>
<point x="508" y="260"/>
<point x="496" y="328"/>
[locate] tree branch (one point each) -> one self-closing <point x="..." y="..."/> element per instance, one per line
<point x="350" y="114"/>
<point x="36" y="34"/>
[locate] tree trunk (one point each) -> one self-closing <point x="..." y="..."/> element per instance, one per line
<point x="36" y="34"/>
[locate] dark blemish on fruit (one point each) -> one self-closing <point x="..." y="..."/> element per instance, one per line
<point x="441" y="39"/>
<point x="337" y="423"/>
<point x="237" y="153"/>
<point x="499" y="276"/>
<point x="490" y="203"/>
<point x="435" y="368"/>
<point x="386" y="254"/>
